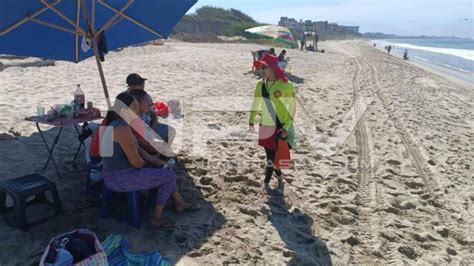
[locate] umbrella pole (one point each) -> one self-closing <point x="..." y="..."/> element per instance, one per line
<point x="96" y="51"/>
<point x="101" y="73"/>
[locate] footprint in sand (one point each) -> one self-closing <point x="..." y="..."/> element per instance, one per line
<point x="232" y="179"/>
<point x="389" y="236"/>
<point x="206" y="180"/>
<point x="253" y="183"/>
<point x="351" y="240"/>
<point x="391" y="171"/>
<point x="250" y="212"/>
<point x="394" y="162"/>
<point x="407" y="205"/>
<point x="414" y="184"/>
<point x="408" y="251"/>
<point x="249" y="191"/>
<point x="451" y="251"/>
<point x="424" y="237"/>
<point x="200" y="172"/>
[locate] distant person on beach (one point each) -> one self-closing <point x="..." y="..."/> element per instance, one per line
<point x="375" y="45"/>
<point x="274" y="101"/>
<point x="315" y="40"/>
<point x="405" y="55"/>
<point x="389" y="48"/>
<point x="302" y="41"/>
<point x="129" y="167"/>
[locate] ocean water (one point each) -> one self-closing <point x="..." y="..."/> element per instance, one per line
<point x="456" y="54"/>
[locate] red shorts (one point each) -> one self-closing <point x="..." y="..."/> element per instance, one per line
<point x="267" y="137"/>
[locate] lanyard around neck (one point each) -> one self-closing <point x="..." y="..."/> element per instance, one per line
<point x="268" y="87"/>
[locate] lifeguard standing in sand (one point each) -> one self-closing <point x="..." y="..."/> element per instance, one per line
<point x="274" y="100"/>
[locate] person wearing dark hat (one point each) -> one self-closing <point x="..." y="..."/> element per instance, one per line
<point x="166" y="132"/>
<point x="135" y="81"/>
<point x="274" y="101"/>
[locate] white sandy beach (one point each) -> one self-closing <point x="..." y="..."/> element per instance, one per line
<point x="398" y="190"/>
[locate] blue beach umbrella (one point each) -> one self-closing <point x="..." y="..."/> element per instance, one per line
<point x="57" y="29"/>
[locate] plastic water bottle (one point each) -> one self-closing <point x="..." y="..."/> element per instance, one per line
<point x="76" y="107"/>
<point x="63" y="257"/>
<point x="79" y="95"/>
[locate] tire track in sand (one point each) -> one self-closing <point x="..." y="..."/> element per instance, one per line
<point x="363" y="253"/>
<point x="432" y="184"/>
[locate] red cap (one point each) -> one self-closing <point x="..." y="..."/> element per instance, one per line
<point x="271" y="61"/>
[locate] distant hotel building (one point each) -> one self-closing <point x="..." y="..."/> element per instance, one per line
<point x="352" y="28"/>
<point x="289" y="23"/>
<point x="317" y="26"/>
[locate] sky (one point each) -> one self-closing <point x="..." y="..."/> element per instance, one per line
<point x="402" y="17"/>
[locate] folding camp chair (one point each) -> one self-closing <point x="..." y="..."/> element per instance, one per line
<point x="255" y="58"/>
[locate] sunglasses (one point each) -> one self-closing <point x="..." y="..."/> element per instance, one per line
<point x="263" y="68"/>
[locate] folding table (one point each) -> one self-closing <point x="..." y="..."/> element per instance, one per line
<point x="61" y="123"/>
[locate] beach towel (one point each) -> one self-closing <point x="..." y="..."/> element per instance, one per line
<point x="116" y="247"/>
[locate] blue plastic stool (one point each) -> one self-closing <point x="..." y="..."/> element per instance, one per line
<point x="133" y="199"/>
<point x="20" y="189"/>
<point x="92" y="166"/>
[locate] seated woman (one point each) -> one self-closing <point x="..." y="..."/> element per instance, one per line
<point x="260" y="53"/>
<point x="128" y="167"/>
<point x="271" y="51"/>
<point x="282" y="60"/>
